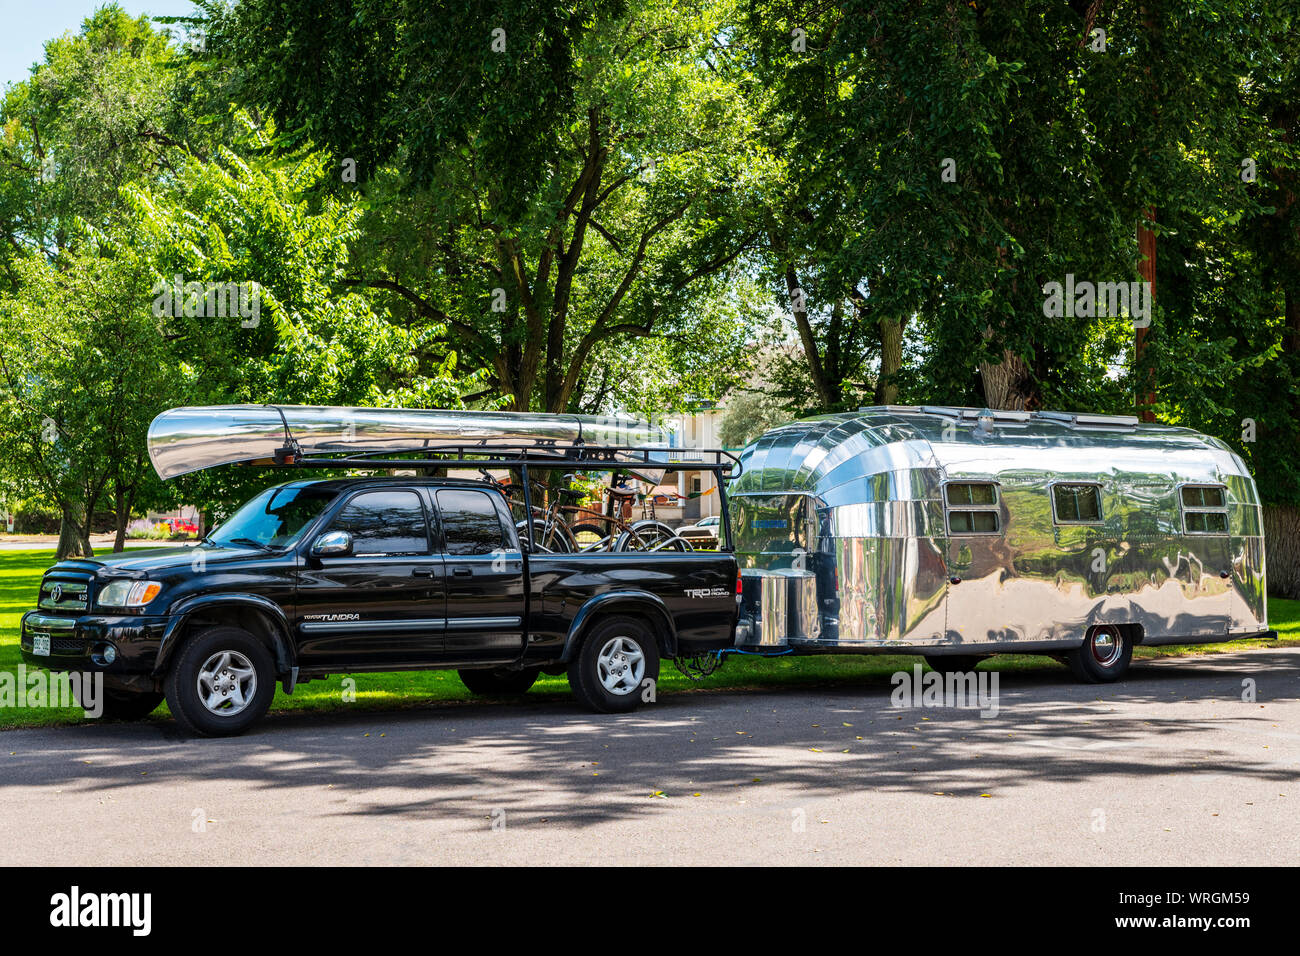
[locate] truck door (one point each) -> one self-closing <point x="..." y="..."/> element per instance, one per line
<point x="486" y="586"/>
<point x="382" y="603"/>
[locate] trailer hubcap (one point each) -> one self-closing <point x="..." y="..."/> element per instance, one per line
<point x="227" y="683"/>
<point x="620" y="665"/>
<point x="1107" y="645"/>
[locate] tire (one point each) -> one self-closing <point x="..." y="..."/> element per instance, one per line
<point x="650" y="535"/>
<point x="233" y="664"/>
<point x="498" y="683"/>
<point x="560" y="541"/>
<point x="126" y="705"/>
<point x="1103" y="657"/>
<point x="621" y="642"/>
<point x="589" y="537"/>
<point x="953" y="663"/>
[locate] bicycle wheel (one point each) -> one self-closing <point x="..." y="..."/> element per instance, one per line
<point x="589" y="537"/>
<point x="650" y="535"/>
<point x="553" y="540"/>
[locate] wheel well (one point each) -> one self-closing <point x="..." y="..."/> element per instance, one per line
<point x="654" y="617"/>
<point x="1132" y="633"/>
<point x="250" y="619"/>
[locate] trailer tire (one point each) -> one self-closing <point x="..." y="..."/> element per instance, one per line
<point x="953" y="663"/>
<point x="238" y="669"/>
<point x="1103" y="656"/>
<point x="500" y="682"/>
<point x="609" y="674"/>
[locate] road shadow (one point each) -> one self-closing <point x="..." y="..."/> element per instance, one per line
<point x="543" y="759"/>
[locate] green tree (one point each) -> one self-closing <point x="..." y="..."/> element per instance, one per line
<point x="565" y="182"/>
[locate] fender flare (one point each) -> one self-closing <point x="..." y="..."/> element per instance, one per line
<point x="642" y="603"/>
<point x="286" y="655"/>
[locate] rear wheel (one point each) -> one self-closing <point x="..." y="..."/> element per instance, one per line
<point x="611" y="670"/>
<point x="221" y="682"/>
<point x="953" y="663"/>
<point x="1104" y="655"/>
<point x="498" y="683"/>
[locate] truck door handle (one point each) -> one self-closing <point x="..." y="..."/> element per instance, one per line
<point x="462" y="572"/>
<point x="423" y="572"/>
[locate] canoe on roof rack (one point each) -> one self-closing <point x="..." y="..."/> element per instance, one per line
<point x="185" y="440"/>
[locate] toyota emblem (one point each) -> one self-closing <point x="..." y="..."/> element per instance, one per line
<point x="57" y="594"/>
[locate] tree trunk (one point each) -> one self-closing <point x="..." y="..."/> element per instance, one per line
<point x="1282" y="541"/>
<point x="123" y="516"/>
<point x="891" y="360"/>
<point x="799" y="306"/>
<point x="1008" y="384"/>
<point x="74" y="537"/>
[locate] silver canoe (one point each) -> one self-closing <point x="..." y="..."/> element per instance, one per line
<point x="184" y="440"/>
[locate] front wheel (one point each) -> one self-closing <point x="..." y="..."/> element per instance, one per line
<point x="221" y="682"/>
<point x="615" y="667"/>
<point x="1103" y="657"/>
<point x="498" y="683"/>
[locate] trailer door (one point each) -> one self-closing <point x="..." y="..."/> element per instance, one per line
<point x="978" y="564"/>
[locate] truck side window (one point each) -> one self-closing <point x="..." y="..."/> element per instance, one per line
<point x="1205" y="509"/>
<point x="973" y="507"/>
<point x="384" y="522"/>
<point x="470" y="522"/>
<point x="1076" y="504"/>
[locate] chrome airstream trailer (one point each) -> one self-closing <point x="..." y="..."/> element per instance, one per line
<point x="958" y="534"/>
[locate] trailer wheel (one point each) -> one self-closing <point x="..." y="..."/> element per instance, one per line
<point x="954" y="663"/>
<point x="1103" y="656"/>
<point x="498" y="683"/>
<point x="221" y="682"/>
<point x="610" y="672"/>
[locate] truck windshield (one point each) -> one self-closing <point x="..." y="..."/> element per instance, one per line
<point x="275" y="518"/>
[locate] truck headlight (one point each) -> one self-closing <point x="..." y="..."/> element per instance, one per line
<point x="128" y="593"/>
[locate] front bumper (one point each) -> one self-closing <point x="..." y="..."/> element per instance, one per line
<point x="77" y="643"/>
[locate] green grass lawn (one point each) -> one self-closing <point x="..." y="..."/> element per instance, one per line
<point x="20" y="575"/>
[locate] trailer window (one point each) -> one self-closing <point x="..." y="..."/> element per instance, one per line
<point x="1205" y="509"/>
<point x="774" y="523"/>
<point x="973" y="508"/>
<point x="1076" y="504"/>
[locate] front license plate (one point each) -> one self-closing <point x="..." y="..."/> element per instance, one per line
<point x="41" y="645"/>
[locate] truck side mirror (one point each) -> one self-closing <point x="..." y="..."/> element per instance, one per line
<point x="332" y="544"/>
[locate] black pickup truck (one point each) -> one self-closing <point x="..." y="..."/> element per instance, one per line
<point x="313" y="578"/>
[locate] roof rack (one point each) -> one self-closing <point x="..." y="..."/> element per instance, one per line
<point x="1085" y="420"/>
<point x="550" y="457"/>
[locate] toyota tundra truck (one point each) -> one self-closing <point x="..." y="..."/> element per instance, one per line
<point x="322" y="577"/>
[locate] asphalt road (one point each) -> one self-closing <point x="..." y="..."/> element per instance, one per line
<point x="1170" y="767"/>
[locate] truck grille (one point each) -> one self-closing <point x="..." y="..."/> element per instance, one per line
<point x="65" y="592"/>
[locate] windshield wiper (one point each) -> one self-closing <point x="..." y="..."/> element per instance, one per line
<point x="255" y="544"/>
